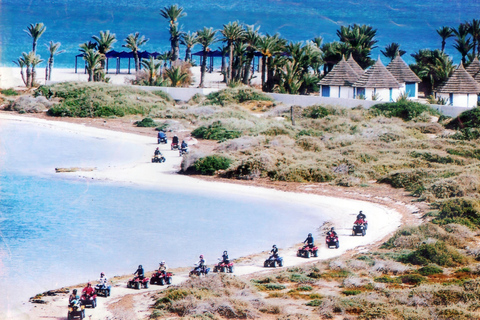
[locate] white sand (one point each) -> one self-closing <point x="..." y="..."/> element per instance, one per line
<point x="341" y="212"/>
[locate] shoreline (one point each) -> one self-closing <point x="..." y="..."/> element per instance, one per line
<point x="342" y="212"/>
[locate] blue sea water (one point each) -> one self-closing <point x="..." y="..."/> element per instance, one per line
<point x="408" y="22"/>
<point x="56" y="231"/>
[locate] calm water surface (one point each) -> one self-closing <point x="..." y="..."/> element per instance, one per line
<point x="56" y="231"/>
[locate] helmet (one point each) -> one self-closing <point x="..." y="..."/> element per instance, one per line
<point x="225" y="252"/>
<point x="360" y="211"/>
<point x="201" y="256"/>
<point x="74" y="291"/>
<point x="102" y="274"/>
<point x="332" y="229"/>
<point x="140" y="267"/>
<point x="274" y="246"/>
<point x="309" y="234"/>
<point x="89" y="284"/>
<point x="163" y="262"/>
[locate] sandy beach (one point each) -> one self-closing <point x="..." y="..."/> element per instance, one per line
<point x="341" y="211"/>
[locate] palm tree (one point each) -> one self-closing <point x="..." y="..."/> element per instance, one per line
<point x="36" y="60"/>
<point x="433" y="67"/>
<point x="133" y="42"/>
<point x="35" y="31"/>
<point x="232" y="33"/>
<point x="463" y="46"/>
<point x="176" y="76"/>
<point x="94" y="59"/>
<point x="268" y="46"/>
<point x="360" y="41"/>
<point x="444" y="33"/>
<point x="206" y="37"/>
<point x="189" y="40"/>
<point x="392" y="50"/>
<point x="474" y="31"/>
<point x="172" y="13"/>
<point x="23" y="61"/>
<point x="331" y="54"/>
<point x="104" y="44"/>
<point x="250" y="38"/>
<point x="152" y="67"/>
<point x="53" y="49"/>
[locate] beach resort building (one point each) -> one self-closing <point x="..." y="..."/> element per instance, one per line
<point x="474" y="69"/>
<point x="338" y="83"/>
<point x="355" y="66"/>
<point x="405" y="76"/>
<point x="377" y="83"/>
<point x="460" y="90"/>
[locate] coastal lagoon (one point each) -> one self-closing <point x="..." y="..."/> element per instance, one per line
<point x="57" y="231"/>
<point x="410" y="23"/>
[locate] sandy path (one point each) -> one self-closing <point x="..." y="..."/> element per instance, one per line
<point x="341" y="212"/>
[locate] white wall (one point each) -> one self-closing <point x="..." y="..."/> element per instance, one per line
<point x="182" y="94"/>
<point x="383" y="95"/>
<point x="460" y="100"/>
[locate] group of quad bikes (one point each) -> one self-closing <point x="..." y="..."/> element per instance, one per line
<point x="76" y="309"/>
<point x="159" y="158"/>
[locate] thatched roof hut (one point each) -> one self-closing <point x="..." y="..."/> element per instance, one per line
<point x="355" y="66"/>
<point x="342" y="74"/>
<point x="474" y="69"/>
<point x="377" y="77"/>
<point x="460" y="82"/>
<point x="401" y="71"/>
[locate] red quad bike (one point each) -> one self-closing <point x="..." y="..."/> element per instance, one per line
<point x="161" y="278"/>
<point x="138" y="283"/>
<point x="76" y="311"/>
<point x="306" y="252"/>
<point x="89" y="300"/>
<point x="223" y="267"/>
<point x="332" y="241"/>
<point x="174" y="146"/>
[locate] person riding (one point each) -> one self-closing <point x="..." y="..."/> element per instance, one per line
<point x="139" y="273"/>
<point x="157" y="152"/>
<point x="102" y="282"/>
<point x="225" y="258"/>
<point x="201" y="264"/>
<point x="73" y="299"/>
<point x="175" y="139"/>
<point x="332" y="233"/>
<point x="184" y="145"/>
<point x="163" y="267"/>
<point x="88" y="290"/>
<point x="309" y="241"/>
<point x="361" y="217"/>
<point x="274" y="252"/>
<point x="161" y="135"/>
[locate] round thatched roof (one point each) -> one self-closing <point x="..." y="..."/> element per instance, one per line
<point x="460" y="82"/>
<point x="377" y="77"/>
<point x="342" y="74"/>
<point x="474" y="69"/>
<point x="401" y="71"/>
<point x="355" y="66"/>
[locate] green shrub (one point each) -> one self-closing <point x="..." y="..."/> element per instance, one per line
<point x="316" y="112"/>
<point x="210" y="164"/>
<point x="412" y="279"/>
<point x="386" y="279"/>
<point x="215" y="131"/>
<point x="163" y="95"/>
<point x="409" y="180"/>
<point x="9" y="92"/>
<point x="304" y="288"/>
<point x="314" y="303"/>
<point x="351" y="292"/>
<point x="467" y="119"/>
<point x="430" y="270"/>
<point x="236" y="95"/>
<point x="437" y="253"/>
<point x="270" y="286"/>
<point x="406" y="110"/>
<point x="146" y="122"/>
<point x="459" y="209"/>
<point x="466" y="134"/>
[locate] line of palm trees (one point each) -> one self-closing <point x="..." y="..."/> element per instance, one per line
<point x="467" y="38"/>
<point x="29" y="61"/>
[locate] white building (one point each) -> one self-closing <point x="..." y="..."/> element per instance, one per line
<point x="405" y="76"/>
<point x="460" y="90"/>
<point x="377" y="83"/>
<point x="338" y="82"/>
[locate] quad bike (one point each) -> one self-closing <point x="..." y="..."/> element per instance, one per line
<point x="138" y="283"/>
<point x="182" y="151"/>
<point x="197" y="271"/>
<point x="76" y="310"/>
<point x="162" y="140"/>
<point x="158" y="158"/>
<point x="89" y="300"/>
<point x="223" y="267"/>
<point x="161" y="278"/>
<point x="103" y="290"/>
<point x="273" y="261"/>
<point x="359" y="228"/>
<point x="307" y="251"/>
<point x="332" y="241"/>
<point x="174" y="146"/>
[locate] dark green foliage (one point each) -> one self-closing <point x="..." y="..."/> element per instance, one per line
<point x="316" y="112"/>
<point x="466" y="134"/>
<point x="467" y="119"/>
<point x="437" y="253"/>
<point x="430" y="270"/>
<point x="210" y="164"/>
<point x="314" y="303"/>
<point x="409" y="180"/>
<point x="146" y="122"/>
<point x="475" y="153"/>
<point x="236" y="95"/>
<point x="302" y="174"/>
<point x="427" y="156"/>
<point x="163" y="95"/>
<point x="459" y="210"/>
<point x="9" y="92"/>
<point x="215" y="131"/>
<point x="351" y="292"/>
<point x="412" y="279"/>
<point x="386" y="279"/>
<point x="406" y="110"/>
<point x="309" y="132"/>
<point x="270" y="286"/>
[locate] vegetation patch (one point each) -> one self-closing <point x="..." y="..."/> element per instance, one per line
<point x="215" y="131"/>
<point x="406" y="110"/>
<point x="146" y="122"/>
<point x="235" y="96"/>
<point x="210" y="164"/>
<point x="467" y="119"/>
<point x="430" y="270"/>
<point x="438" y="253"/>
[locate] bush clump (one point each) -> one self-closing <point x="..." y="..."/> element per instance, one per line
<point x="430" y="270"/>
<point x="236" y="95"/>
<point x="316" y="112"/>
<point x="438" y="253"/>
<point x="215" y="131"/>
<point x="406" y="110"/>
<point x="210" y="164"/>
<point x="464" y="211"/>
<point x="146" y="123"/>
<point x="467" y="119"/>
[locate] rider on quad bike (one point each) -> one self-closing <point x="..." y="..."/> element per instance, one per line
<point x="331" y="233"/>
<point x="162" y="137"/>
<point x="361" y="218"/>
<point x="225" y="257"/>
<point x="157" y="152"/>
<point x="201" y="266"/>
<point x="163" y="267"/>
<point x="74" y="298"/>
<point x="102" y="282"/>
<point x="88" y="290"/>
<point x="309" y="241"/>
<point x="274" y="252"/>
<point x="139" y="273"/>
